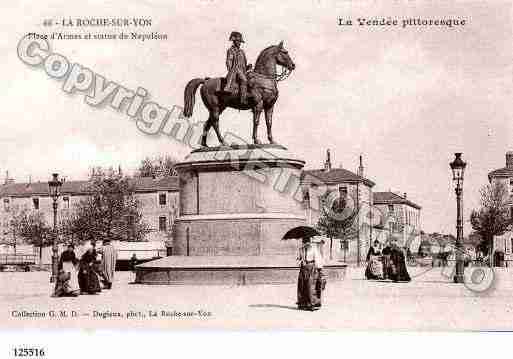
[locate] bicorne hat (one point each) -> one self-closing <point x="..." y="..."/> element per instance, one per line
<point x="235" y="35"/>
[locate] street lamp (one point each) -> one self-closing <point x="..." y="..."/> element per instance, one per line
<point x="458" y="170"/>
<point x="54" y="186"/>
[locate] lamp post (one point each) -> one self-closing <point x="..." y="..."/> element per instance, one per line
<point x="54" y="186"/>
<point x="458" y="170"/>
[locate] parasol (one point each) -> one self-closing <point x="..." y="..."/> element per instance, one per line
<point x="301" y="232"/>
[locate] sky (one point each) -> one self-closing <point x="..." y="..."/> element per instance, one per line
<point x="404" y="99"/>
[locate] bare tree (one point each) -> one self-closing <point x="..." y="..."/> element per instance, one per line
<point x="110" y="211"/>
<point x="336" y="222"/>
<point x="32" y="228"/>
<point x="493" y="217"/>
<point x="155" y="167"/>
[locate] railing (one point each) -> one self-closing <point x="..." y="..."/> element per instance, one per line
<point x="17" y="259"/>
<point x="141" y="253"/>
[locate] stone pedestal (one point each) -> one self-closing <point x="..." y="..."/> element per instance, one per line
<point x="236" y="204"/>
<point x="238" y="201"/>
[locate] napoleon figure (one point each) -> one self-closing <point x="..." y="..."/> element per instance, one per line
<point x="237" y="66"/>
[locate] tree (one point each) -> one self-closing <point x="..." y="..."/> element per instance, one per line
<point x="160" y="166"/>
<point x="493" y="218"/>
<point x="32" y="228"/>
<point x="336" y="221"/>
<point x="110" y="211"/>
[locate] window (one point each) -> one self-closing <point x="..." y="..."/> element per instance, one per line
<point x="342" y="190"/>
<point x="511" y="185"/>
<point x="162" y="199"/>
<point x="35" y="202"/>
<point x="391" y="208"/>
<point x="65" y="200"/>
<point x="6" y="204"/>
<point x="162" y="224"/>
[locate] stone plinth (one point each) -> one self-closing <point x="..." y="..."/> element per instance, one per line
<point x="238" y="201"/>
<point x="228" y="270"/>
<point x="236" y="204"/>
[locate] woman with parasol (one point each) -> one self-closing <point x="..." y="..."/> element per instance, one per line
<point x="310" y="268"/>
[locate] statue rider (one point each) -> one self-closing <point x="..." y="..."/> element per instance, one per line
<point x="237" y="66"/>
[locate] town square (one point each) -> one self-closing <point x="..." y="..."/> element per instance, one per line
<point x="256" y="167"/>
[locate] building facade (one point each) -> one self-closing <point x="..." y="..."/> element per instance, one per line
<point x="158" y="197"/>
<point x="504" y="243"/>
<point x="399" y="217"/>
<point x="322" y="187"/>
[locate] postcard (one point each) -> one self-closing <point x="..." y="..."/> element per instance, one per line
<point x="256" y="165"/>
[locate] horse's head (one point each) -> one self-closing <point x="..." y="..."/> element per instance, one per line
<point x="283" y="58"/>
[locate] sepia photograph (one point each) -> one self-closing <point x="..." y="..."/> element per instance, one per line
<point x="230" y="166"/>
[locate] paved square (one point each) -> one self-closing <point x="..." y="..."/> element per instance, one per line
<point x="429" y="302"/>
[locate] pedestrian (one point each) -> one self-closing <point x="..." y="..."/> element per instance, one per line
<point x="87" y="276"/>
<point x="374" y="268"/>
<point x="310" y="261"/>
<point x="67" y="279"/>
<point x="133" y="262"/>
<point x="108" y="267"/>
<point x="320" y="278"/>
<point x="387" y="264"/>
<point x="399" y="271"/>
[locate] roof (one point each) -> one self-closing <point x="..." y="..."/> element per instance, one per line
<point x="501" y="172"/>
<point x="392" y="198"/>
<point x="142" y="184"/>
<point x="333" y="176"/>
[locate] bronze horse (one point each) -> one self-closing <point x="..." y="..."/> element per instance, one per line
<point x="262" y="93"/>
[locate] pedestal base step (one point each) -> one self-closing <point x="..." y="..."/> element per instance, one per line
<point x="228" y="270"/>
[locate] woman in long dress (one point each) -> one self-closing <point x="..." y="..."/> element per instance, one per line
<point x="67" y="279"/>
<point x="308" y="294"/>
<point x="399" y="271"/>
<point x="87" y="277"/>
<point x="374" y="268"/>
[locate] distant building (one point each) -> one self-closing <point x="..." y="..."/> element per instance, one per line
<point x="340" y="183"/>
<point x="401" y="217"/>
<point x="504" y="175"/>
<point x="158" y="197"/>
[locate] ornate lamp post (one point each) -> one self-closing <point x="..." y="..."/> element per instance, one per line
<point x="54" y="186"/>
<point x="458" y="169"/>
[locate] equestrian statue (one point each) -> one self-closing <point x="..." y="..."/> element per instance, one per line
<point x="243" y="88"/>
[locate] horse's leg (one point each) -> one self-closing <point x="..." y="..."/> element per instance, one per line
<point x="269" y="123"/>
<point x="214" y="117"/>
<point x="206" y="128"/>
<point x="212" y="103"/>
<point x="257" y="111"/>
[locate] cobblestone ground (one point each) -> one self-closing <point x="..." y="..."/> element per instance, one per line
<point x="429" y="302"/>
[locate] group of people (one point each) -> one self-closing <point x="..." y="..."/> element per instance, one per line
<point x="89" y="275"/>
<point x="311" y="279"/>
<point x="388" y="263"/>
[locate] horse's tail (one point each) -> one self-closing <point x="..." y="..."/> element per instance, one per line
<point x="189" y="95"/>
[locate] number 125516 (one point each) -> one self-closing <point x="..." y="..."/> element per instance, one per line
<point x="29" y="352"/>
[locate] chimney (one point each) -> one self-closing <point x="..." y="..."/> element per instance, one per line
<point x="8" y="180"/>
<point x="327" y="164"/>
<point x="405" y="195"/>
<point x="360" y="168"/>
<point x="509" y="159"/>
